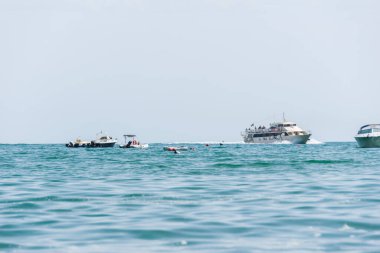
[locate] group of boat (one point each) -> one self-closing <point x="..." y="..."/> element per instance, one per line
<point x="106" y="141"/>
<point x="368" y="136"/>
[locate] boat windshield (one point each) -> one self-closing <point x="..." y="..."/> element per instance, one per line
<point x="365" y="131"/>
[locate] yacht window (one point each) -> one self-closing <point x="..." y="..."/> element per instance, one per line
<point x="365" y="131"/>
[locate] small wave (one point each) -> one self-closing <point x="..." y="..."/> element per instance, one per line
<point x="345" y="227"/>
<point x="228" y="165"/>
<point x="243" y="165"/>
<point x="328" y="161"/>
<point x="8" y="246"/>
<point x="26" y="205"/>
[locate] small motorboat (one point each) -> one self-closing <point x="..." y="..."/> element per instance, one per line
<point x="369" y="136"/>
<point x="103" y="141"/>
<point x="179" y="148"/>
<point x="132" y="142"/>
<point x="78" y="143"/>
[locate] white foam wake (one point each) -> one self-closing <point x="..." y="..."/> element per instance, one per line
<point x="314" y="141"/>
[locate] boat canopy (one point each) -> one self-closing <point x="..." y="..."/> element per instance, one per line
<point x="129" y="135"/>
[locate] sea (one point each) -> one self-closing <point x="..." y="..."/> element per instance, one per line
<point x="229" y="198"/>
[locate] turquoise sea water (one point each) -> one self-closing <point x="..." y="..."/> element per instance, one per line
<point x="234" y="198"/>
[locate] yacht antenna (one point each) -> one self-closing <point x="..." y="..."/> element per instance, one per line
<point x="283" y="116"/>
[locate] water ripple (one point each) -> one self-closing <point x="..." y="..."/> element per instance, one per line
<point x="235" y="198"/>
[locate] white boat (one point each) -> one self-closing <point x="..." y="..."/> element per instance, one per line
<point x="78" y="143"/>
<point x="369" y="136"/>
<point x="133" y="143"/>
<point x="103" y="141"/>
<point x="282" y="132"/>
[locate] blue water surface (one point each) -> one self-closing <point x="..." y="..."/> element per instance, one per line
<point x="230" y="198"/>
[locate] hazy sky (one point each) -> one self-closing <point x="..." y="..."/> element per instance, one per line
<point x="186" y="70"/>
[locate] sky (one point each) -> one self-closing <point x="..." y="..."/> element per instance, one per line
<point x="195" y="70"/>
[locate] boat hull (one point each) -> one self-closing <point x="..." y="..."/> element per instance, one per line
<point x="368" y="142"/>
<point x="103" y="145"/>
<point x="69" y="145"/>
<point x="294" y="139"/>
<point x="141" y="146"/>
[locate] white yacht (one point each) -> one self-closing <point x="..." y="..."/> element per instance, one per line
<point x="103" y="141"/>
<point x="369" y="136"/>
<point x="276" y="133"/>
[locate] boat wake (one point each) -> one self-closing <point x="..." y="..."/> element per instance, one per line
<point x="314" y="141"/>
<point x="283" y="142"/>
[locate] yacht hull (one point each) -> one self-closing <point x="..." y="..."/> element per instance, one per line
<point x="294" y="139"/>
<point x="368" y="142"/>
<point x="103" y="145"/>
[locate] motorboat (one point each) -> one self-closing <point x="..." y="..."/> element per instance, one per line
<point x="132" y="142"/>
<point x="280" y="132"/>
<point x="103" y="141"/>
<point x="78" y="143"/>
<point x="369" y="136"/>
